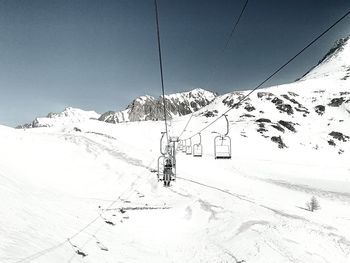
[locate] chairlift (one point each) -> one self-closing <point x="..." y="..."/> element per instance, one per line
<point x="170" y="149"/>
<point x="160" y="167"/>
<point x="180" y="146"/>
<point x="197" y="148"/>
<point x="166" y="169"/>
<point x="166" y="162"/>
<point x="184" y="148"/>
<point x="222" y="144"/>
<point x="189" y="147"/>
<point x="174" y="139"/>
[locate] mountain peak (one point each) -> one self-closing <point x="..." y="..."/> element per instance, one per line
<point x="335" y="64"/>
<point x="68" y="115"/>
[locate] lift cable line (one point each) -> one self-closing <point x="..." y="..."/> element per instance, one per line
<point x="188" y="122"/>
<point x="222" y="51"/>
<point x="235" y="25"/>
<point x="161" y="67"/>
<point x="273" y="74"/>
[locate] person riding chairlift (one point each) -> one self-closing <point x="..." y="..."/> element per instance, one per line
<point x="168" y="171"/>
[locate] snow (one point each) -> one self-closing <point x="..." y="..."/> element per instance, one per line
<point x="337" y="65"/>
<point x="192" y="95"/>
<point x="143" y="99"/>
<point x="67" y="116"/>
<point x="94" y="190"/>
<point x="54" y="181"/>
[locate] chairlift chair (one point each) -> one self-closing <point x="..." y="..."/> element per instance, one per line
<point x="180" y="146"/>
<point x="189" y="147"/>
<point x="184" y="146"/>
<point x="222" y="147"/>
<point x="174" y="139"/>
<point x="170" y="149"/>
<point x="166" y="163"/>
<point x="162" y="161"/>
<point x="222" y="144"/>
<point x="166" y="170"/>
<point x="160" y="167"/>
<point x="197" y="148"/>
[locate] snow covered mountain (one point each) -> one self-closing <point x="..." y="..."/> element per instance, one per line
<point x="67" y="116"/>
<point x="141" y="109"/>
<point x="313" y="112"/>
<point x="335" y="64"/>
<point x="151" y="108"/>
<point x="88" y="192"/>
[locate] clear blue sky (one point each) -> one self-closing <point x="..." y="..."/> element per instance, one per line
<point x="101" y="54"/>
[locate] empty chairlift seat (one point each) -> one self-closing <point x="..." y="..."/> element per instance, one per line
<point x="188" y="150"/>
<point x="197" y="148"/>
<point x="179" y="146"/>
<point x="222" y="147"/>
<point x="222" y="144"/>
<point x="188" y="147"/>
<point x="183" y="146"/>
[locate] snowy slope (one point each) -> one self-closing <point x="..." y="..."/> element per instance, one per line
<point x="251" y="208"/>
<point x="311" y="114"/>
<point x="90" y="188"/>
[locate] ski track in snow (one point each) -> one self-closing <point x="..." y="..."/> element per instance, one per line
<point x="97" y="147"/>
<point x="344" y="197"/>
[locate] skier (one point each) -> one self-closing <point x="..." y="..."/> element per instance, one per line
<point x="168" y="171"/>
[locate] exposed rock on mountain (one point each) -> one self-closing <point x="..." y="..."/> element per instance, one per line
<point x="150" y="108"/>
<point x="339" y="136"/>
<point x="141" y="109"/>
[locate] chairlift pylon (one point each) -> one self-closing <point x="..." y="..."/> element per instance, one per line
<point x="197" y="148"/>
<point x="222" y="144"/>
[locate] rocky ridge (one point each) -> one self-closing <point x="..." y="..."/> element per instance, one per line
<point x="150" y="108"/>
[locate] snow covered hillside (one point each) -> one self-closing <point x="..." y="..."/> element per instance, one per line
<point x="68" y="116"/>
<point x="312" y="113"/>
<point x="87" y="191"/>
<point x="140" y="109"/>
